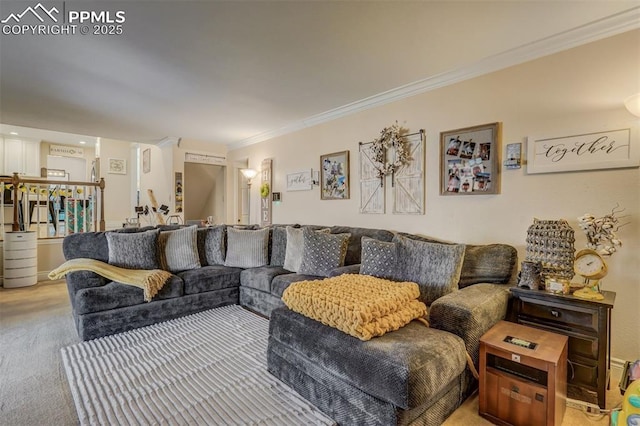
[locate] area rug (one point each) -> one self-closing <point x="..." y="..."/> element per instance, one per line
<point x="209" y="368"/>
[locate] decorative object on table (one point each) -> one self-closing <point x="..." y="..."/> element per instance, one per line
<point x="550" y="242"/>
<point x="299" y="181"/>
<point x="146" y="160"/>
<point x="469" y="160"/>
<point x="117" y="166"/>
<point x="530" y="275"/>
<point x="514" y="156"/>
<point x="265" y="190"/>
<point x="334" y="176"/>
<point x="400" y="155"/>
<point x="602" y="242"/>
<point x="591" y="151"/>
<point x="557" y="285"/>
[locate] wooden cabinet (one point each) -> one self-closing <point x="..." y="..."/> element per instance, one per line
<point x="522" y="385"/>
<point x="587" y="324"/>
<point x="20" y="156"/>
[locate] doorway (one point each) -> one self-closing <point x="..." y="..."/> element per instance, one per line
<point x="204" y="192"/>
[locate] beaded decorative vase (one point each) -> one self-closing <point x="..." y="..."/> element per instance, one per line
<point x="550" y="242"/>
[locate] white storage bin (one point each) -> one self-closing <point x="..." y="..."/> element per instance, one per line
<point x="20" y="259"/>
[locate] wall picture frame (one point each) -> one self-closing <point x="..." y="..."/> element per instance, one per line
<point x="299" y="181"/>
<point x="117" y="166"/>
<point x="610" y="149"/>
<point x="146" y="160"/>
<point x="334" y="176"/>
<point x="470" y="160"/>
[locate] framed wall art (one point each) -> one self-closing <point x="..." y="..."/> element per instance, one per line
<point x="146" y="160"/>
<point x="334" y="176"/>
<point x="299" y="181"/>
<point x="469" y="160"/>
<point x="590" y="151"/>
<point x="117" y="166"/>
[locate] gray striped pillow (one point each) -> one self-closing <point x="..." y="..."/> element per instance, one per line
<point x="179" y="249"/>
<point x="247" y="249"/>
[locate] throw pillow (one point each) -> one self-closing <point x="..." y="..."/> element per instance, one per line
<point x="179" y="249"/>
<point x="322" y="252"/>
<point x="246" y="248"/>
<point x="295" y="247"/>
<point x="492" y="263"/>
<point x="278" y="245"/>
<point x="133" y="250"/>
<point x="378" y="258"/>
<point x="434" y="267"/>
<point x="214" y="247"/>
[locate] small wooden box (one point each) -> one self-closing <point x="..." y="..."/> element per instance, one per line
<point x="520" y="385"/>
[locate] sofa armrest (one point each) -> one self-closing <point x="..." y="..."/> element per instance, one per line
<point x="78" y="280"/>
<point x="470" y="312"/>
<point x="348" y="269"/>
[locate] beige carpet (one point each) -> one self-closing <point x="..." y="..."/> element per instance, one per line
<point x="36" y="322"/>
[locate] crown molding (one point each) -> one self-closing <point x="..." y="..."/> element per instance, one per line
<point x="168" y="141"/>
<point x="606" y="27"/>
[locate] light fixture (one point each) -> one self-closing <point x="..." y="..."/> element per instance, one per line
<point x="14" y="133"/>
<point x="633" y="104"/>
<point x="82" y="142"/>
<point x="249" y="174"/>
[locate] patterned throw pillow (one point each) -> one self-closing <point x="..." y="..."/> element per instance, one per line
<point x="179" y="249"/>
<point x="247" y="248"/>
<point x="214" y="245"/>
<point x="378" y="258"/>
<point x="434" y="267"/>
<point x="133" y="250"/>
<point x="295" y="247"/>
<point x="322" y="252"/>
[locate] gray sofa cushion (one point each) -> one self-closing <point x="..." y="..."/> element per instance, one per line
<point x="214" y="246"/>
<point x="136" y="250"/>
<point x="405" y="367"/>
<point x="434" y="267"/>
<point x="115" y="295"/>
<point x="178" y="249"/>
<point x="322" y="253"/>
<point x="378" y="258"/>
<point x="354" y="249"/>
<point x="280" y="283"/>
<point x="278" y="245"/>
<point x="247" y="248"/>
<point x="492" y="263"/>
<point x="209" y="278"/>
<point x="260" y="278"/>
<point x="295" y="247"/>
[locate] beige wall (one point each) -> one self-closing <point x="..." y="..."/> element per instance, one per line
<point x="576" y="91"/>
<point x="119" y="189"/>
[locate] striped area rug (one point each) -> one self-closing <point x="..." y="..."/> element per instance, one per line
<point x="208" y="368"/>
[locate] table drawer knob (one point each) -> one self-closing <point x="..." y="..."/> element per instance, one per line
<point x="555" y="314"/>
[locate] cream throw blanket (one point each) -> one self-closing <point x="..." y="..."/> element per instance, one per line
<point x="359" y="305"/>
<point x="151" y="281"/>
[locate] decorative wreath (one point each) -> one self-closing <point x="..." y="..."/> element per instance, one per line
<point x="390" y="137"/>
<point x="264" y="190"/>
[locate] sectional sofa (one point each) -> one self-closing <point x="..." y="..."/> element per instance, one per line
<point x="416" y="375"/>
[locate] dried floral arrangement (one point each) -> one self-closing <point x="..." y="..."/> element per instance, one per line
<point x="601" y="231"/>
<point x="390" y="137"/>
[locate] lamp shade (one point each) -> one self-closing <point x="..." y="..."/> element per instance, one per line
<point x="633" y="104"/>
<point x="249" y="173"/>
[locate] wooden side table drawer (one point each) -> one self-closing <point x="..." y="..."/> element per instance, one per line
<point x="579" y="344"/>
<point x="561" y="314"/>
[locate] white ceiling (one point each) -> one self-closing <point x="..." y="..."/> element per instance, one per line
<point x="239" y="72"/>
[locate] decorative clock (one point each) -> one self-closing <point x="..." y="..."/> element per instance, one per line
<point x="590" y="265"/>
